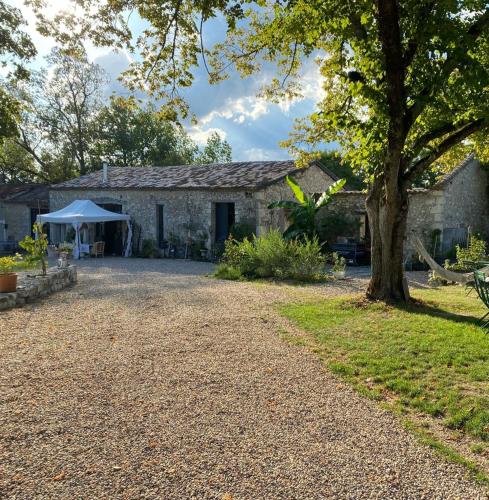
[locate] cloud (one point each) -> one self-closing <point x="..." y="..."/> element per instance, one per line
<point x="200" y="134"/>
<point x="261" y="154"/>
<point x="238" y="110"/>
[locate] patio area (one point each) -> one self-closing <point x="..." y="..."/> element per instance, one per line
<point x="151" y="380"/>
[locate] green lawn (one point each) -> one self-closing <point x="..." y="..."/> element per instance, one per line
<point x="431" y="358"/>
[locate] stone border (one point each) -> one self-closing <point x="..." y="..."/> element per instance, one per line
<point x="30" y="288"/>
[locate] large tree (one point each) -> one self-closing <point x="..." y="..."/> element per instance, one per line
<point x="129" y="134"/>
<point x="405" y="81"/>
<point x="16" y="48"/>
<point x="59" y="105"/>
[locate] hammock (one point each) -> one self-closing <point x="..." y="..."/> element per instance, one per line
<point x="462" y="278"/>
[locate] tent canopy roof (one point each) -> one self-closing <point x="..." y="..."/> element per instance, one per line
<point x="81" y="211"/>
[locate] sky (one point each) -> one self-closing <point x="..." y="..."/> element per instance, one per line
<point x="252" y="126"/>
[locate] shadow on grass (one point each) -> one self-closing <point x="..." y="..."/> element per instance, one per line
<point x="437" y="312"/>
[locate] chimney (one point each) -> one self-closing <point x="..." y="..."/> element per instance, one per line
<point x="105" y="172"/>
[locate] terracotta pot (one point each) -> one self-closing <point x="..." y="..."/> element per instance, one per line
<point x="8" y="282"/>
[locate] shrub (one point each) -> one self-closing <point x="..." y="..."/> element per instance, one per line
<point x="241" y="230"/>
<point x="227" y="272"/>
<point x="148" y="248"/>
<point x="11" y="264"/>
<point x="36" y="248"/>
<point x="272" y="256"/>
<point x="467" y="257"/>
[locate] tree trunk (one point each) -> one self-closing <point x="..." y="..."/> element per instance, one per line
<point x="387" y="219"/>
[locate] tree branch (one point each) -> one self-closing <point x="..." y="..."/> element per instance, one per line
<point x="413" y="43"/>
<point x="452" y="140"/>
<point x="448" y="66"/>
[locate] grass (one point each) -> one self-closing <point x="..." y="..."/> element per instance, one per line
<point x="431" y="358"/>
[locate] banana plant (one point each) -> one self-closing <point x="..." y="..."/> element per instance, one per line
<point x="302" y="213"/>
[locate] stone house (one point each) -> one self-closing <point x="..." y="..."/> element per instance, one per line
<point x="19" y="206"/>
<point x="448" y="211"/>
<point x="180" y="201"/>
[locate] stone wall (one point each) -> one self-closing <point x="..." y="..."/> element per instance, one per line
<point x="460" y="200"/>
<point x="181" y="207"/>
<point x="18" y="219"/>
<point x="31" y="288"/>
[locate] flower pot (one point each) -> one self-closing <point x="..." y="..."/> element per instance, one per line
<point x="8" y="282"/>
<point x="339" y="274"/>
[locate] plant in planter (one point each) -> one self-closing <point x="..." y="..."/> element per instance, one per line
<point x="8" y="275"/>
<point x="148" y="249"/>
<point x="36" y="248"/>
<point x="339" y="266"/>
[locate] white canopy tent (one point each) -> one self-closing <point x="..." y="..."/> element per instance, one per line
<point x="80" y="211"/>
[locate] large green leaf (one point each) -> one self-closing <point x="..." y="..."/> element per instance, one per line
<point x="296" y="189"/>
<point x="325" y="198"/>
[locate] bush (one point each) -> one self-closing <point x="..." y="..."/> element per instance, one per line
<point x="241" y="230"/>
<point x="148" y="248"/>
<point x="467" y="257"/>
<point x="227" y="272"/>
<point x="272" y="256"/>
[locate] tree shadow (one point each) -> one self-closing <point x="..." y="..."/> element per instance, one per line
<point x="429" y="309"/>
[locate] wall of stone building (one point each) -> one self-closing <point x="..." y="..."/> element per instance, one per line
<point x="17" y="217"/>
<point x="312" y="180"/>
<point x="196" y="207"/>
<point x="467" y="200"/>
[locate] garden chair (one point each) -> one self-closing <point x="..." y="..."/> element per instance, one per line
<point x="482" y="287"/>
<point x="98" y="248"/>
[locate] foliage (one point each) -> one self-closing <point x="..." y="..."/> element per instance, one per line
<point x="16" y="48"/>
<point x="475" y="251"/>
<point x="36" y="248"/>
<point x="148" y="248"/>
<point x="217" y="150"/>
<point x="62" y="138"/>
<point x="12" y="263"/>
<point x="241" y="230"/>
<point x="302" y="213"/>
<point x="339" y="263"/>
<point x="65" y="249"/>
<point x="404" y="82"/>
<point x="436" y="363"/>
<point x="355" y="180"/>
<point x="129" y="135"/>
<point x="330" y="225"/>
<point x="468" y="257"/>
<point x="272" y="256"/>
<point x="227" y="272"/>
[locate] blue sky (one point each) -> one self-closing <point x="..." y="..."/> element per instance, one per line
<point x="252" y="126"/>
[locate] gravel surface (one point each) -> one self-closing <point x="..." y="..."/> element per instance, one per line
<point x="150" y="380"/>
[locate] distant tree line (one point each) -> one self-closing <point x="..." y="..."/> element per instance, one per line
<point x="63" y="127"/>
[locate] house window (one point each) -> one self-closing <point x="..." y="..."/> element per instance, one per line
<point x="160" y="227"/>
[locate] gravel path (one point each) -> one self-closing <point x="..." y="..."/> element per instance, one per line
<point x="150" y="380"/>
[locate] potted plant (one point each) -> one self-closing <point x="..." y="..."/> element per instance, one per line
<point x="339" y="266"/>
<point x="8" y="276"/>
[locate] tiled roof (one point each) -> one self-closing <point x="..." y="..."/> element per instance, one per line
<point x="237" y="175"/>
<point x="29" y="194"/>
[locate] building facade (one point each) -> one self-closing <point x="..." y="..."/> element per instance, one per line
<point x="168" y="203"/>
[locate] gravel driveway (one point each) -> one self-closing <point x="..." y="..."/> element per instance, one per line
<point x="150" y="380"/>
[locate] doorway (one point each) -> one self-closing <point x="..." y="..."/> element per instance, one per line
<point x="225" y="214"/>
<point x="112" y="232"/>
